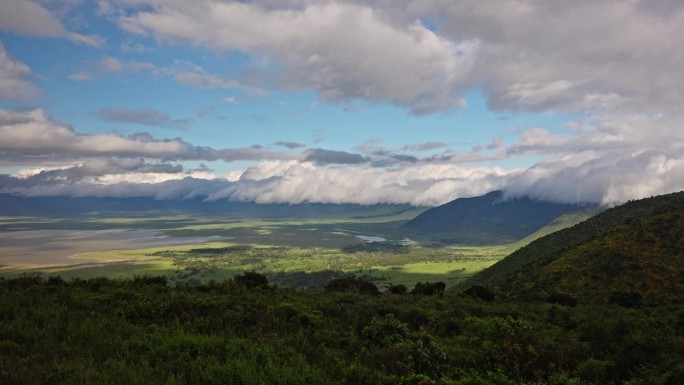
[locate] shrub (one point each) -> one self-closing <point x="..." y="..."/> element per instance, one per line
<point x="398" y="289"/>
<point x="150" y="280"/>
<point x="480" y="292"/>
<point x="562" y="299"/>
<point x="385" y="331"/>
<point x="352" y="283"/>
<point x="631" y="299"/>
<point x="429" y="288"/>
<point x="252" y="280"/>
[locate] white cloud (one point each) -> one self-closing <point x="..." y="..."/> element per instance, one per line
<point x="193" y="75"/>
<point x="129" y="46"/>
<point x="110" y="65"/>
<point x="14" y="78"/>
<point x="34" y="134"/>
<point x="343" y="51"/>
<point x="292" y="182"/>
<point x="28" y="18"/>
<point x="323" y="156"/>
<point x="43" y="135"/>
<point x="607" y="159"/>
<point x="526" y="54"/>
<point x="559" y="55"/>
<point x="278" y="182"/>
<point x="144" y="116"/>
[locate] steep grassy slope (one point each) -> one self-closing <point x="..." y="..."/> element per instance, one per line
<point x="488" y="218"/>
<point x="635" y="247"/>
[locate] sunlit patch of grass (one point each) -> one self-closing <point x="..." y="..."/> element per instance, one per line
<point x="112" y="269"/>
<point x="24" y="221"/>
<point x="127" y="220"/>
<point x="123" y="255"/>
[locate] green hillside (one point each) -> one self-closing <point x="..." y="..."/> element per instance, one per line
<point x="488" y="218"/>
<point x="633" y="249"/>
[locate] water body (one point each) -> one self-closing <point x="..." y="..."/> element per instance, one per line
<point x="43" y="247"/>
<point x="371" y="238"/>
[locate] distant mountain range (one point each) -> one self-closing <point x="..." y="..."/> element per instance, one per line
<point x="636" y="249"/>
<point x="488" y="218"/>
<point x="14" y="205"/>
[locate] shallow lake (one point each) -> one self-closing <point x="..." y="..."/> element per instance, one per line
<point x="55" y="246"/>
<point x="371" y="238"/>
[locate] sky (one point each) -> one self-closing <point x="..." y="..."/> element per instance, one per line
<point x="294" y="101"/>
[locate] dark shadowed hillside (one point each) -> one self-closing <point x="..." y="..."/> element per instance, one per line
<point x="636" y="249"/>
<point x="488" y="218"/>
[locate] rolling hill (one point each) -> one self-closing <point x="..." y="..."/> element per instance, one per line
<point x="635" y="248"/>
<point x="488" y="218"/>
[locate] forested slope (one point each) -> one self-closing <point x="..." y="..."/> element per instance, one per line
<point x="637" y="247"/>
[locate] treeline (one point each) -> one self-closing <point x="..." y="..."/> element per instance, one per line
<point x="245" y="331"/>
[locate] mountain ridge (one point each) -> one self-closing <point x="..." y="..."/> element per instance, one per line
<point x="488" y="217"/>
<point x="74" y="206"/>
<point x="637" y="247"/>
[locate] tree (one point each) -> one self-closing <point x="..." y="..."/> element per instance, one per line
<point x="429" y="288"/>
<point x="398" y="289"/>
<point x="352" y="283"/>
<point x="252" y="280"/>
<point x="480" y="292"/>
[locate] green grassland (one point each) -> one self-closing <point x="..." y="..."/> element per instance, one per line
<point x="292" y="252"/>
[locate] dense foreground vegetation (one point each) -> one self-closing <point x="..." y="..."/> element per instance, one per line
<point x="243" y="331"/>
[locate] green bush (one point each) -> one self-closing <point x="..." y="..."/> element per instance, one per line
<point x="480" y="292"/>
<point x="252" y="280"/>
<point x="352" y="283"/>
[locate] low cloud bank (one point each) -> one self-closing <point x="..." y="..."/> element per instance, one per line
<point x="605" y="159"/>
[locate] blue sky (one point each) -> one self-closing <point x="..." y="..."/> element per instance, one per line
<point x="340" y="102"/>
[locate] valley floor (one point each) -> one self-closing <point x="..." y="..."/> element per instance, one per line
<point x="299" y="253"/>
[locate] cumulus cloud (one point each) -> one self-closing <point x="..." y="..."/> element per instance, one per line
<point x="344" y="51"/>
<point x="193" y="75"/>
<point x="292" y="182"/>
<point x="579" y="55"/>
<point x="525" y="54"/>
<point x="290" y="145"/>
<point x="29" y="18"/>
<point x="616" y="64"/>
<point x="323" y="156"/>
<point x="129" y="46"/>
<point x="426" y="146"/>
<point x="145" y="116"/>
<point x="15" y="78"/>
<point x="35" y="134"/>
<point x="280" y="182"/>
<point x="607" y="159"/>
<point x="110" y="65"/>
<point x="378" y="156"/>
